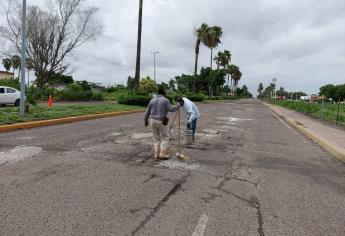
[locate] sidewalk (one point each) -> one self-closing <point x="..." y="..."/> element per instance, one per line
<point x="330" y="137"/>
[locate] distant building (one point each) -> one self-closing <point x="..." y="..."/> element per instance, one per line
<point x="6" y="75"/>
<point x="96" y="87"/>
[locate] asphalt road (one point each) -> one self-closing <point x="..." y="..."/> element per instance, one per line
<point x="250" y="174"/>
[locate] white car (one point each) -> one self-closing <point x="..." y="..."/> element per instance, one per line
<point x="9" y="95"/>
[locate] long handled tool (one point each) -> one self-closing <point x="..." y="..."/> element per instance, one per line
<point x="172" y="124"/>
<point x="179" y="154"/>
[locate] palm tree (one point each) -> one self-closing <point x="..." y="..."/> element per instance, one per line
<point x="201" y="35"/>
<point x="213" y="39"/>
<point x="16" y="63"/>
<point x="7" y="63"/>
<point x="137" y="65"/>
<point x="233" y="71"/>
<point x="223" y="59"/>
<point x="219" y="59"/>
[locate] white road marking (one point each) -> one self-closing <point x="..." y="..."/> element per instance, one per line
<point x="201" y="226"/>
<point x="280" y="120"/>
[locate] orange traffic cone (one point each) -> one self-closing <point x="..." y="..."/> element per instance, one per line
<point x="50" y="101"/>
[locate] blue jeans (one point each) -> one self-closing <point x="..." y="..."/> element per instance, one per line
<point x="192" y="126"/>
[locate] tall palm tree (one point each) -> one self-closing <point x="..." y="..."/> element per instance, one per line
<point x="219" y="59"/>
<point x="223" y="59"/>
<point x="201" y="35"/>
<point x="233" y="72"/>
<point x="137" y="65"/>
<point x="7" y="63"/>
<point x="213" y="39"/>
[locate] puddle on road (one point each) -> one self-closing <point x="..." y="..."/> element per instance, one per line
<point x="176" y="164"/>
<point x="19" y="153"/>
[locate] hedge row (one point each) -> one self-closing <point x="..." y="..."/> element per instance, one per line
<point x="132" y="99"/>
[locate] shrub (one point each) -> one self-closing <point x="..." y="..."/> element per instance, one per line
<point x="14" y="83"/>
<point x="70" y="95"/>
<point x="132" y="99"/>
<point x="196" y="97"/>
<point x="32" y="95"/>
<point x="97" y="96"/>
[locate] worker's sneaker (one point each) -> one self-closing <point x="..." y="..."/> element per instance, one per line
<point x="157" y="147"/>
<point x="163" y="154"/>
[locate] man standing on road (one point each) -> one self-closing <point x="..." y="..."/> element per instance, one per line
<point x="192" y="113"/>
<point x="157" y="111"/>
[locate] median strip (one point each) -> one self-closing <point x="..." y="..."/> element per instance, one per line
<point x="33" y="124"/>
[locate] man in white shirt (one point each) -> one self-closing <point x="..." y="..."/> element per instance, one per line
<point x="192" y="113"/>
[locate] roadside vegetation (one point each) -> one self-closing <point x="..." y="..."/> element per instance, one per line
<point x="329" y="104"/>
<point x="70" y="24"/>
<point x="10" y="115"/>
<point x="329" y="111"/>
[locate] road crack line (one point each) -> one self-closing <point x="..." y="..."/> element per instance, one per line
<point x="160" y="204"/>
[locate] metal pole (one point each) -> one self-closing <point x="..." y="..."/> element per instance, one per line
<point x="154" y="64"/>
<point x="322" y="106"/>
<point x="22" y="67"/>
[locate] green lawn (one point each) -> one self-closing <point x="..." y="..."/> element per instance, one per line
<point x="10" y="115"/>
<point x="315" y="109"/>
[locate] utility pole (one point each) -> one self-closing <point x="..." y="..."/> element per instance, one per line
<point x="22" y="67"/>
<point x="137" y="63"/>
<point x="154" y="64"/>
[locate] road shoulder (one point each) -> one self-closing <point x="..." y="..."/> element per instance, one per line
<point x="321" y="134"/>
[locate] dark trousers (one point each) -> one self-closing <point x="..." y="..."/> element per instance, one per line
<point x="192" y="126"/>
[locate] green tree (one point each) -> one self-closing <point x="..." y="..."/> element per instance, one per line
<point x="201" y="36"/>
<point x="148" y="85"/>
<point x="260" y="89"/>
<point x="130" y="83"/>
<point x="172" y="85"/>
<point x="328" y="91"/>
<point x="282" y="92"/>
<point x="7" y="63"/>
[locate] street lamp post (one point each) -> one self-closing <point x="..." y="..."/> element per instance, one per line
<point x="154" y="64"/>
<point x="22" y="67"/>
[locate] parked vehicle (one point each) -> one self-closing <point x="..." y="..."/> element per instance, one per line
<point x="9" y="96"/>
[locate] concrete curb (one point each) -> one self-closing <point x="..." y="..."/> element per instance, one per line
<point x="324" y="143"/>
<point x="33" y="124"/>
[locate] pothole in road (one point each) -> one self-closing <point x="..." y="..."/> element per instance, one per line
<point x="136" y="136"/>
<point x="211" y="131"/>
<point x="19" y="153"/>
<point x="176" y="164"/>
<point x="232" y="119"/>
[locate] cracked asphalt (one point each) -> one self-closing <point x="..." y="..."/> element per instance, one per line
<point x="249" y="175"/>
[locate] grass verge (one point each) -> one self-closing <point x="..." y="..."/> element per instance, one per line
<point x="315" y="110"/>
<point x="10" y="115"/>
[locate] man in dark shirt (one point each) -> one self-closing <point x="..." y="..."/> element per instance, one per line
<point x="157" y="112"/>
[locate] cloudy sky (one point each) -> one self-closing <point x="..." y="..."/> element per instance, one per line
<point x="301" y="43"/>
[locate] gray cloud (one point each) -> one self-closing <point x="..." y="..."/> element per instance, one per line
<point x="299" y="42"/>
